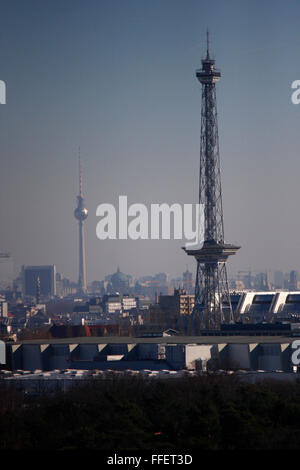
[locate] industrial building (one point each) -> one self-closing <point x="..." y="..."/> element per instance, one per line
<point x="165" y="353"/>
<point x="247" y="306"/>
<point x="255" y="307"/>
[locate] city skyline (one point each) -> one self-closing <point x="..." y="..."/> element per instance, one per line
<point x="139" y="130"/>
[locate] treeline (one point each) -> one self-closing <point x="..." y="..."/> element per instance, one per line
<point x="204" y="413"/>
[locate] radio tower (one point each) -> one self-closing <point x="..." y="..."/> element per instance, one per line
<point x="81" y="214"/>
<point x="212" y="299"/>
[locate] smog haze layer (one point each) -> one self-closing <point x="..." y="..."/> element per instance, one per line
<point x="118" y="79"/>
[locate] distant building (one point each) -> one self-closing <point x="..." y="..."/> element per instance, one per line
<point x="38" y="319"/>
<point x="180" y="302"/>
<point x="238" y="285"/>
<point x="47" y="275"/>
<point x="3" y="308"/>
<point x="294" y="280"/>
<point x="278" y="280"/>
<point x="262" y="281"/>
<point x="87" y="312"/>
<point x="143" y="303"/>
<point x="97" y="287"/>
<point x="112" y="303"/>
<point x="119" y="303"/>
<point x="6" y="271"/>
<point x="244" y="280"/>
<point x="128" y="303"/>
<point x="120" y="282"/>
<point x="171" y="307"/>
<point x="95" y="305"/>
<point x="150" y="286"/>
<point x="65" y="287"/>
<point x="69" y="288"/>
<point x="161" y="277"/>
<point x="188" y="282"/>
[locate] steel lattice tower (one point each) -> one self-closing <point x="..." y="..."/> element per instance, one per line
<point x="212" y="299"/>
<point x="81" y="214"/>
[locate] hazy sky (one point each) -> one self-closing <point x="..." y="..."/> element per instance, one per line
<point x="117" y="77"/>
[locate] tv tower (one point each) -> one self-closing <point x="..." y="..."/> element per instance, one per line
<point x="212" y="299"/>
<point x="81" y="214"/>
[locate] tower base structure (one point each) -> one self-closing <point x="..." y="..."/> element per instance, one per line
<point x="212" y="298"/>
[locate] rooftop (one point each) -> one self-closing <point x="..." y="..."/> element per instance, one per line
<point x="162" y="339"/>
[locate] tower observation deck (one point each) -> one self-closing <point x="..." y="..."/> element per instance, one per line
<point x="212" y="299"/>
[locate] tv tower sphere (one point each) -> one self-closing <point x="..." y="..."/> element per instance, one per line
<point x="80" y="212"/>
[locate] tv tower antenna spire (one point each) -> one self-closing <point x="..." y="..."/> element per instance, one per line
<point x="80" y="172"/>
<point x="207" y="44"/>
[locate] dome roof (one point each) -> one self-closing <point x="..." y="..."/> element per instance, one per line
<point x="119" y="276"/>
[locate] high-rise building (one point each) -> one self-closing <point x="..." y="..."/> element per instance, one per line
<point x="245" y="278"/>
<point x="3" y="307"/>
<point x="262" y="281"/>
<point x="81" y="214"/>
<point x="38" y="290"/>
<point x="187" y="281"/>
<point x="212" y="300"/>
<point x="294" y="280"/>
<point x="6" y="270"/>
<point x="278" y="279"/>
<point x="45" y="276"/>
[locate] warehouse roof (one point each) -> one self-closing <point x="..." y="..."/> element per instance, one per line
<point x="164" y="339"/>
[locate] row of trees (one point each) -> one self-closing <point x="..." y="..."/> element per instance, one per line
<point x="205" y="412"/>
